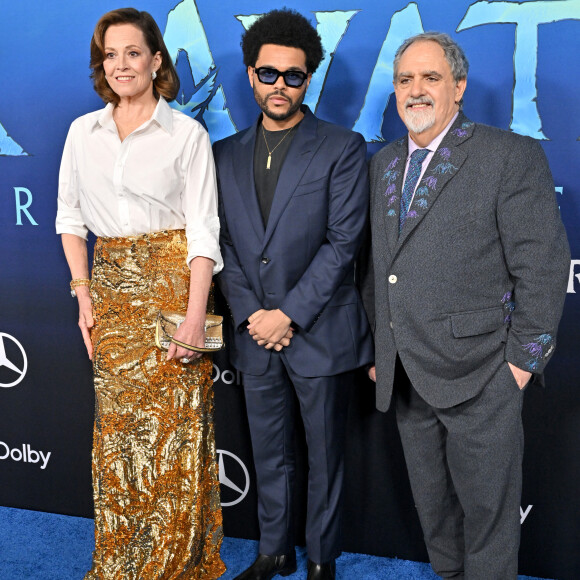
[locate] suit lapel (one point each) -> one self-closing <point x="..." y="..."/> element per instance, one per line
<point x="391" y="184"/>
<point x="302" y="149"/>
<point x="445" y="163"/>
<point x="243" y="164"/>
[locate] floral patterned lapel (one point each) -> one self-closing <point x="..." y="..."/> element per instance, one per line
<point x="443" y="166"/>
<point x="392" y="184"/>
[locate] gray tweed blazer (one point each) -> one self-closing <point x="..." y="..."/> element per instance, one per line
<point x="477" y="276"/>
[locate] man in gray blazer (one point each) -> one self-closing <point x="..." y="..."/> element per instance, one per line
<point x="470" y="260"/>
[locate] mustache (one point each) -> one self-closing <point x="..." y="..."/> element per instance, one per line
<point x="278" y="93"/>
<point x="419" y="101"/>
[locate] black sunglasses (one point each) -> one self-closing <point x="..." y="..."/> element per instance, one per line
<point x="292" y="78"/>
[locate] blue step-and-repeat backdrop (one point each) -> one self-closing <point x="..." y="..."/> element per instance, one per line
<point x="525" y="77"/>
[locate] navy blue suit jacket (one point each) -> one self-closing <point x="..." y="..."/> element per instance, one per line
<point x="303" y="260"/>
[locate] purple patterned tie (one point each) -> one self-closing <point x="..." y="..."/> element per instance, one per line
<point x="413" y="173"/>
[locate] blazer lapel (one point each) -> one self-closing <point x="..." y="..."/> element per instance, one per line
<point x="243" y="163"/>
<point x="391" y="183"/>
<point x="302" y="149"/>
<point x="443" y="166"/>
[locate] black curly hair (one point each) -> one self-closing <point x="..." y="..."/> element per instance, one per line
<point x="284" y="27"/>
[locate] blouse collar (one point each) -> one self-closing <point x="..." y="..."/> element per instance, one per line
<point x="162" y="115"/>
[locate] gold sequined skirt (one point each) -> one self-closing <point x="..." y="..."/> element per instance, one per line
<point x="156" y="492"/>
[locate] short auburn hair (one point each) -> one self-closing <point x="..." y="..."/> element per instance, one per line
<point x="167" y="81"/>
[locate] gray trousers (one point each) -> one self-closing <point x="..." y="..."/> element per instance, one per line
<point x="464" y="465"/>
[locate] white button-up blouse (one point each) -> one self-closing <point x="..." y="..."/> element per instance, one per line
<point x="161" y="177"/>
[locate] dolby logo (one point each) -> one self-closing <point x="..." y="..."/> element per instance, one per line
<point x="227" y="376"/>
<point x="24" y="453"/>
<point x="13" y="361"/>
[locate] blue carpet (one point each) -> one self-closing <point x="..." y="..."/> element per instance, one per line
<point x="41" y="546"/>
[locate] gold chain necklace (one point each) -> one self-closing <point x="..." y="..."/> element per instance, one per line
<point x="270" y="151"/>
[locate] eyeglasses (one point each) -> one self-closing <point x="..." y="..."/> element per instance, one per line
<point x="292" y="78"/>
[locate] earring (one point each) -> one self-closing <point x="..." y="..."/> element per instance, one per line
<point x="153" y="75"/>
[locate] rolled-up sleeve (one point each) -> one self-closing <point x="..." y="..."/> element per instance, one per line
<point x="69" y="219"/>
<point x="200" y="205"/>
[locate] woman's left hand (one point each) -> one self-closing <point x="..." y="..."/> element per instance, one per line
<point x="191" y="332"/>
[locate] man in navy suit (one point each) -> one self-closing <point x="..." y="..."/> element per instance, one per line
<point x="470" y="268"/>
<point x="294" y="200"/>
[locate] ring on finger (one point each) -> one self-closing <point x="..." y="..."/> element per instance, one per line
<point x="185" y="360"/>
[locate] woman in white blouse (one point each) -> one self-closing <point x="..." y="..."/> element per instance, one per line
<point x="140" y="176"/>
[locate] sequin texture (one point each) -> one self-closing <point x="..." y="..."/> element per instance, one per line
<point x="156" y="492"/>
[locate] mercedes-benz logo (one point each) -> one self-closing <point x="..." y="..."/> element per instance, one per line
<point x="16" y="365"/>
<point x="236" y="472"/>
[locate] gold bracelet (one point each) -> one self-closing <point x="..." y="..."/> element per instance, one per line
<point x="78" y="282"/>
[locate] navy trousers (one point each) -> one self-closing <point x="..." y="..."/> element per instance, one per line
<point x="323" y="405"/>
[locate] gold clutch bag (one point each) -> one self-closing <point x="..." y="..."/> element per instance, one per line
<point x="168" y="323"/>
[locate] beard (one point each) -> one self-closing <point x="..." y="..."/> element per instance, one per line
<point x="293" y="106"/>
<point x="419" y="121"/>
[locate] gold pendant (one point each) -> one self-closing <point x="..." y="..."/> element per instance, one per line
<point x="268" y="164"/>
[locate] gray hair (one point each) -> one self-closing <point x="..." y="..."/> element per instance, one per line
<point x="453" y="53"/>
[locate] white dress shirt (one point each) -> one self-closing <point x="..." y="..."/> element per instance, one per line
<point x="161" y="177"/>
